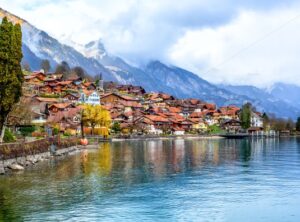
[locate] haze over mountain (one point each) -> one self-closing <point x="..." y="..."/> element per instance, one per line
<point x="155" y="76"/>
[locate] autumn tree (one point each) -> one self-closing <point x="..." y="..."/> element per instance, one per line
<point x="20" y="113"/>
<point x="45" y="65"/>
<point x="95" y="115"/>
<point x="11" y="76"/>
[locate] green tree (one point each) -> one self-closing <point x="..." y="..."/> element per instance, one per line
<point x="26" y="67"/>
<point x="11" y="76"/>
<point x="245" y="115"/>
<point x="45" y="65"/>
<point x="298" y="124"/>
<point x="266" y="121"/>
<point x="64" y="69"/>
<point x="116" y="127"/>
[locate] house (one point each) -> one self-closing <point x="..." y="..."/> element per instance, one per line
<point x="71" y="97"/>
<point x="159" y="122"/>
<point x="38" y="118"/>
<point x="67" y="119"/>
<point x="89" y="86"/>
<point x="198" y="124"/>
<point x="58" y="107"/>
<point x="232" y="125"/>
<point x="178" y="131"/>
<point x="130" y="89"/>
<point x="255" y="130"/>
<point x="256" y="119"/>
<point x="115" y="97"/>
<point x="89" y="97"/>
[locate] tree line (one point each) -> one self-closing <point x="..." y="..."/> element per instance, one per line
<point x="270" y="121"/>
<point x="61" y="68"/>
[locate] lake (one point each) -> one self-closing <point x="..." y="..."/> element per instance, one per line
<point x="161" y="180"/>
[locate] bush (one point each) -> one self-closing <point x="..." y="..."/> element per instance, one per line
<point x="55" y="96"/>
<point x="116" y="127"/>
<point x="55" y="131"/>
<point x="8" y="136"/>
<point x="26" y="131"/>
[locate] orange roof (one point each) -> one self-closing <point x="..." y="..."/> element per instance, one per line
<point x="61" y="105"/>
<point x="174" y="110"/>
<point x="65" y="82"/>
<point x="131" y="104"/>
<point x="42" y="99"/>
<point x="128" y="98"/>
<point x="155" y="118"/>
<point x="210" y="106"/>
<point x="196" y="115"/>
<point x="87" y="92"/>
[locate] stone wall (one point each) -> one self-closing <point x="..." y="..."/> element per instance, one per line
<point x="21" y="162"/>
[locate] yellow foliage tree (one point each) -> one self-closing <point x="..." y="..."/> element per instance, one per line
<point x="96" y="115"/>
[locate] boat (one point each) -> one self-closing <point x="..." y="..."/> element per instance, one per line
<point x="235" y="136"/>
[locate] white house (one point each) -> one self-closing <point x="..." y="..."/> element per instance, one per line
<point x="178" y="131"/>
<point x="256" y="120"/>
<point x="90" y="97"/>
<point x="153" y="130"/>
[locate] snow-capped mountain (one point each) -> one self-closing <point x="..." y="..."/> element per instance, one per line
<point x="155" y="76"/>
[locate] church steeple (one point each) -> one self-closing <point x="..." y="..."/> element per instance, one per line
<point x="100" y="83"/>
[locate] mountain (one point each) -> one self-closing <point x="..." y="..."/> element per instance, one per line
<point x="38" y="44"/>
<point x="271" y="101"/>
<point x="155" y="76"/>
<point x="287" y="92"/>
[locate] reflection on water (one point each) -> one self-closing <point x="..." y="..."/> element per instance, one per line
<point x="145" y="180"/>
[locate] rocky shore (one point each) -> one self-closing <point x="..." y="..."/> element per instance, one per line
<point x="20" y="163"/>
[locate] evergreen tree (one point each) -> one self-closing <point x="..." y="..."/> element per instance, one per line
<point x="45" y="65"/>
<point x="245" y="115"/>
<point x="298" y="124"/>
<point x="11" y="76"/>
<point x="266" y="121"/>
<point x="64" y="69"/>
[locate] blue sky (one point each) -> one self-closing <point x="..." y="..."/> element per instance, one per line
<point x="207" y="37"/>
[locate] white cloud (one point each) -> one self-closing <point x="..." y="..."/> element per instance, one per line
<point x="195" y="34"/>
<point x="227" y="53"/>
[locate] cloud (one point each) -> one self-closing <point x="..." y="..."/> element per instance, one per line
<point x="256" y="48"/>
<point x="195" y="34"/>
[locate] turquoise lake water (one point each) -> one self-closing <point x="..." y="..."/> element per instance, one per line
<point x="161" y="180"/>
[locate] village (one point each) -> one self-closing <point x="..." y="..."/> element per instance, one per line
<point x="55" y="101"/>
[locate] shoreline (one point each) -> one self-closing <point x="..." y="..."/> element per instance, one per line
<point x="21" y="163"/>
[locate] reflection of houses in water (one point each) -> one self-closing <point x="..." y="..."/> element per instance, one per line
<point x="178" y="153"/>
<point x="155" y="157"/>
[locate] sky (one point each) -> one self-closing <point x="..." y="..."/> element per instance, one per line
<point x="252" y="42"/>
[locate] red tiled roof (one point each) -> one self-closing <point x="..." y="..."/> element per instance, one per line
<point x="196" y="115"/>
<point x="61" y="105"/>
<point x="155" y="118"/>
<point x="128" y="98"/>
<point x="50" y="100"/>
<point x="174" y="109"/>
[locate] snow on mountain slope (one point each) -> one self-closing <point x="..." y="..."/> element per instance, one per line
<point x="156" y="76"/>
